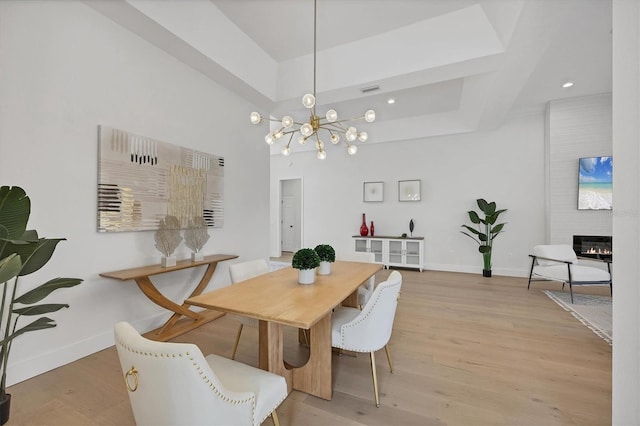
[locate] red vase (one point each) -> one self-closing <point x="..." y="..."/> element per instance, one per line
<point x="364" y="231"/>
<point x="372" y="228"/>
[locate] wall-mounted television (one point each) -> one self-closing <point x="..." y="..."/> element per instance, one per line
<point x="595" y="183"/>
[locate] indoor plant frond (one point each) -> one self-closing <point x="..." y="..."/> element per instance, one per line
<point x="486" y="231"/>
<point x="22" y="252"/>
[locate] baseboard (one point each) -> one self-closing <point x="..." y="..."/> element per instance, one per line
<point x="508" y="272"/>
<point x="25" y="369"/>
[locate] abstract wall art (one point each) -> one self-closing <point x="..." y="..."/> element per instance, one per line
<point x="142" y="180"/>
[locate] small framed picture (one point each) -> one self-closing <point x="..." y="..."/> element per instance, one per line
<point x="373" y="192"/>
<point x="409" y="190"/>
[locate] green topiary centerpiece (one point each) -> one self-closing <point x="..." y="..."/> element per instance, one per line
<point x="306" y="260"/>
<point x="327" y="254"/>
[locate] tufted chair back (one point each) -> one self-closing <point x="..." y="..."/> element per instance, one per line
<point x="173" y="384"/>
<point x="249" y="269"/>
<point x="366" y="290"/>
<point x="371" y="329"/>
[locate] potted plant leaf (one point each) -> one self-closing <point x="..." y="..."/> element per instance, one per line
<point x="306" y="261"/>
<point x="195" y="237"/>
<point x="168" y="239"/>
<point x="487" y="230"/>
<point x="22" y="252"/>
<point x="327" y="255"/>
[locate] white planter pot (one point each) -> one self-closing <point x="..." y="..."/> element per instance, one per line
<point x="324" y="268"/>
<point x="168" y="261"/>
<point x="197" y="257"/>
<point x="306" y="276"/>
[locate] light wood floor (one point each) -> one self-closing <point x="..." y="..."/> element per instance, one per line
<point x="467" y="350"/>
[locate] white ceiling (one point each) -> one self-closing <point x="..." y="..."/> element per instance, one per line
<point x="452" y="65"/>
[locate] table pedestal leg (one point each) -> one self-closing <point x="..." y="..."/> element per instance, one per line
<point x="315" y="376"/>
<point x="270" y="352"/>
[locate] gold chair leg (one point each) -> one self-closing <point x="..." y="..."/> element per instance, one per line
<point x="235" y="347"/>
<point x="386" y="349"/>
<point x="274" y="417"/>
<point x="375" y="378"/>
<point x="306" y="337"/>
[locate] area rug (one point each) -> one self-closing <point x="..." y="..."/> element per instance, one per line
<point x="593" y="311"/>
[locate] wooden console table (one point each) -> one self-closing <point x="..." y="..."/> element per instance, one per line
<point x="174" y="326"/>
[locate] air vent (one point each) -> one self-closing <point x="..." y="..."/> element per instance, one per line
<point x="369" y="89"/>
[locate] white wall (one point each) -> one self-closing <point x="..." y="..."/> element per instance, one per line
<point x="66" y="69"/>
<point x="626" y="226"/>
<point x="578" y="127"/>
<point x="505" y="165"/>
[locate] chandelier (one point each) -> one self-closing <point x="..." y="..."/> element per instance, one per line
<point x="330" y="125"/>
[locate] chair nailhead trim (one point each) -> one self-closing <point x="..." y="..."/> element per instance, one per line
<point x="212" y="386"/>
<point x="353" y="324"/>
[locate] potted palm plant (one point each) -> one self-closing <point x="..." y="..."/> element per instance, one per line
<point x="487" y="230"/>
<point x="22" y="252"/>
<point x="306" y="261"/>
<point x="327" y="255"/>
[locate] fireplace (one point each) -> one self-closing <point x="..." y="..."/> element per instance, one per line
<point x="594" y="246"/>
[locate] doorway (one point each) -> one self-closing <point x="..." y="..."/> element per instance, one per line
<point x="290" y="215"/>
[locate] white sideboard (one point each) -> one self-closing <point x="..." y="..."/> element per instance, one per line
<point x="393" y="251"/>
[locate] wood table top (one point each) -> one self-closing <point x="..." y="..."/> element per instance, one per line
<point x="276" y="296"/>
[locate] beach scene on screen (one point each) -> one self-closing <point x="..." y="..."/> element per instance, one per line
<point x="595" y="184"/>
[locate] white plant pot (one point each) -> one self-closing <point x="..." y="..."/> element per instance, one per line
<point x="306" y="276"/>
<point x="197" y="257"/>
<point x="324" y="268"/>
<point x="168" y="261"/>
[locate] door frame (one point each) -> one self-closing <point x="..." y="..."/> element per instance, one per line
<point x="300" y="206"/>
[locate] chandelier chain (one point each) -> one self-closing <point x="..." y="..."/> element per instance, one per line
<point x="311" y="129"/>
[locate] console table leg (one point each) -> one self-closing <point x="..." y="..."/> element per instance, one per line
<point x="208" y="273"/>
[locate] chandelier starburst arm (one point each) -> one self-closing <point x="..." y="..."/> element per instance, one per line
<point x="287" y="150"/>
<point x="329" y="122"/>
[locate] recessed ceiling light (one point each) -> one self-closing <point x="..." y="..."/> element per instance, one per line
<point x="567" y="84"/>
<point x="391" y="101"/>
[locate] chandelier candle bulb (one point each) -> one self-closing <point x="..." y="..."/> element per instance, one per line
<point x="287" y="122"/>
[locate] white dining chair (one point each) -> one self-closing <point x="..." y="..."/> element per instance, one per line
<point x="174" y="384"/>
<point x="369" y="329"/>
<point x="239" y="272"/>
<point x="366" y="290"/>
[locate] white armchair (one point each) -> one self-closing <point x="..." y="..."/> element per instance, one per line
<point x="243" y="271"/>
<point x="369" y="329"/>
<point x="174" y="384"/>
<point x="560" y="263"/>
<point x="366" y="290"/>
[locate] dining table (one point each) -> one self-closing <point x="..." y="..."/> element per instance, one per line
<point x="276" y="299"/>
